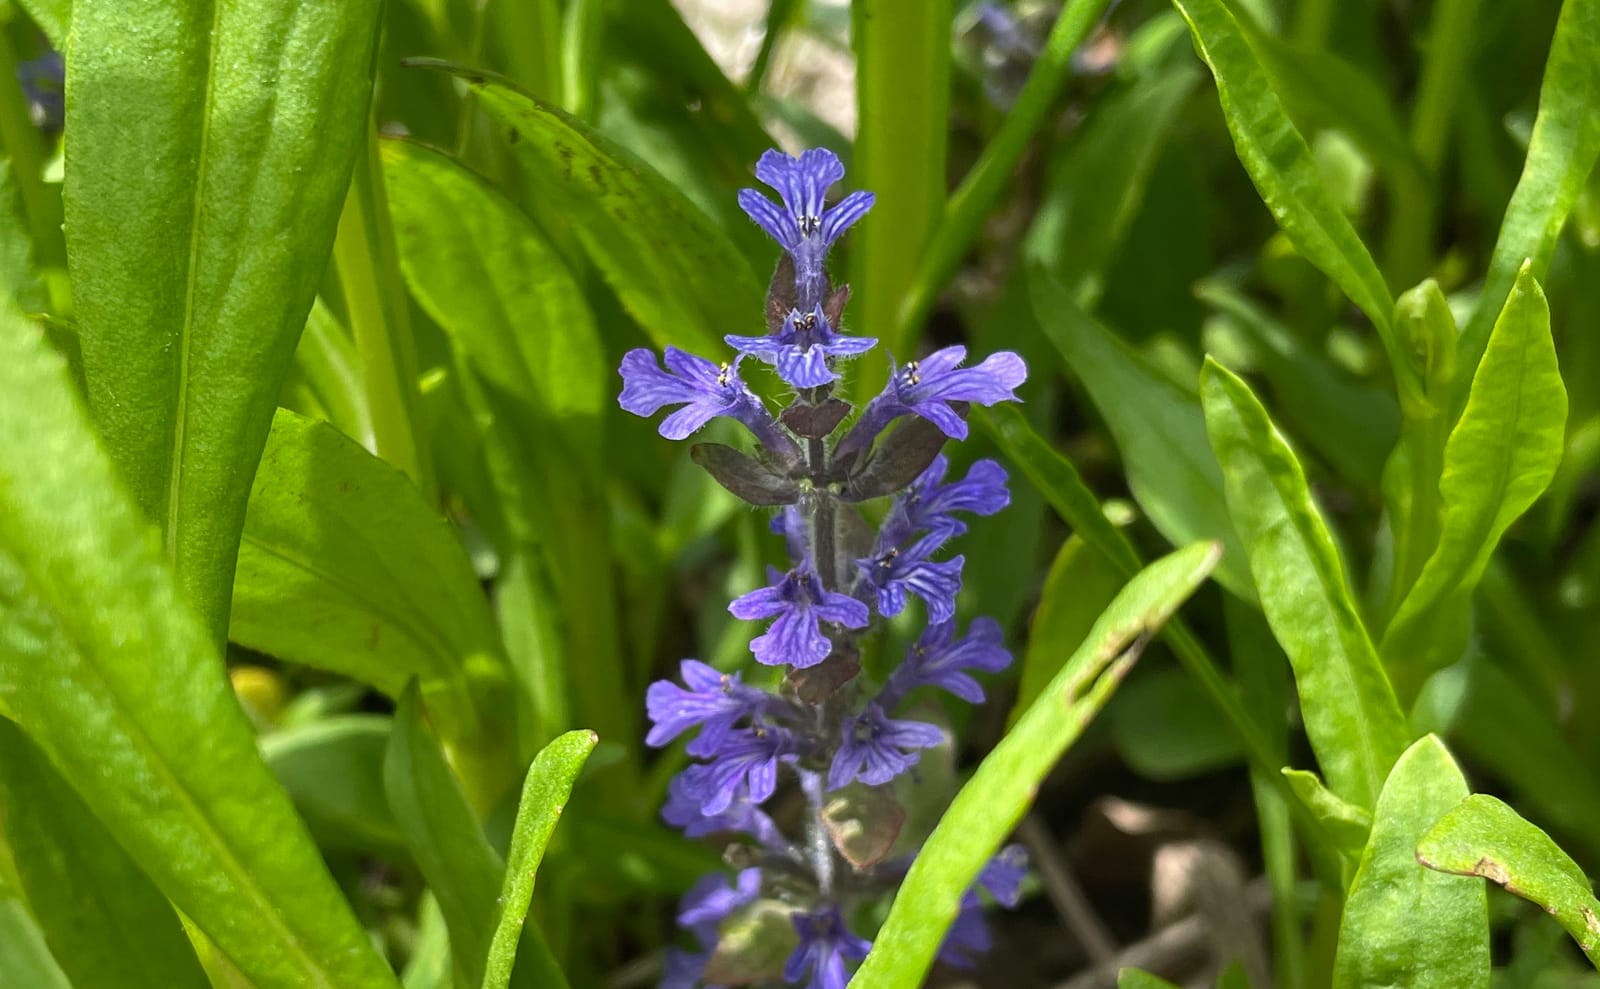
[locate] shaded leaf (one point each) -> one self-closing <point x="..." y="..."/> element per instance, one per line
<point x="744" y="476"/>
<point x="345" y="567"/>
<point x="25" y="959"/>
<point x="333" y="770"/>
<point x="1158" y="427"/>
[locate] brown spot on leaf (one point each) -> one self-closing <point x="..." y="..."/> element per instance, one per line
<point x="1491" y="870"/>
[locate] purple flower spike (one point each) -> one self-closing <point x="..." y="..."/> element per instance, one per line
<point x="940" y="660"/>
<point x="684" y="809"/>
<point x="746" y="765"/>
<point x="705" y="390"/>
<point x="877" y="748"/>
<point x="825" y="943"/>
<point x="926" y="388"/>
<point x="930" y="503"/>
<point x="802" y="226"/>
<point x="894" y="572"/>
<point x="714" y="701"/>
<point x="801" y="351"/>
<point x="800" y="603"/>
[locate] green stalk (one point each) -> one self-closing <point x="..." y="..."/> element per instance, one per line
<point x="25" y="147"/>
<point x="380" y="319"/>
<point x="1444" y="66"/>
<point x="981" y="188"/>
<point x="902" y="101"/>
<point x="779" y="13"/>
<point x="580" y="45"/>
<point x="1313" y="22"/>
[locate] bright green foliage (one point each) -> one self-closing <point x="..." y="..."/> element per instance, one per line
<point x="679" y="276"/>
<point x="106" y="922"/>
<point x="1481" y="836"/>
<point x="544" y="797"/>
<point x="344" y="567"/>
<point x="902" y="99"/>
<point x="1499" y="458"/>
<point x="1561" y="153"/>
<point x="451" y="850"/>
<point x="110" y="672"/>
<point x="25" y="959"/>
<point x="1346" y="825"/>
<point x="1000" y="791"/>
<point x="198" y="222"/>
<point x="1404" y="925"/>
<point x="1352" y="718"/>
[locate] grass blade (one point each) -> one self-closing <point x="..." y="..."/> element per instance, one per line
<point x="203" y="186"/>
<point x="902" y="100"/>
<point x="1404" y="925"/>
<point x="1481" y="836"/>
<point x="1355" y="724"/>
<point x="107" y="669"/>
<point x="1004" y="785"/>
<point x="544" y="796"/>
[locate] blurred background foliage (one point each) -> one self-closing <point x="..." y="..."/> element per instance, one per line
<point x="1059" y="183"/>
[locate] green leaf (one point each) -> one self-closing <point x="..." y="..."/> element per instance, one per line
<point x="1004" y="785"/>
<point x="1283" y="169"/>
<point x="1162" y="734"/>
<point x="1352" y="425"/>
<point x="1347" y="826"/>
<point x="544" y="796"/>
<point x="1500" y="457"/>
<point x="1561" y="154"/>
<point x="346" y="568"/>
<point x="903" y="101"/>
<point x="1354" y="723"/>
<point x="447" y="842"/>
<point x="1404" y="925"/>
<point x="25" y="959"/>
<point x="1133" y="978"/>
<point x="1080" y="584"/>
<point x="327" y="361"/>
<point x="676" y="273"/>
<point x="1481" y="836"/>
<point x="1064" y="489"/>
<point x="203" y="186"/>
<point x="106" y="923"/>
<point x="539" y="378"/>
<point x="53" y="17"/>
<point x="485" y="274"/>
<point x="333" y="770"/>
<point x="105" y="666"/>
<point x="1158" y="428"/>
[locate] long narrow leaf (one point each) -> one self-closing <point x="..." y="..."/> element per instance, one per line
<point x="107" y="924"/>
<point x="207" y="153"/>
<point x="1004" y="786"/>
<point x="1355" y="724"/>
<point x="1499" y="459"/>
<point x="544" y="796"/>
<point x="107" y="668"/>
